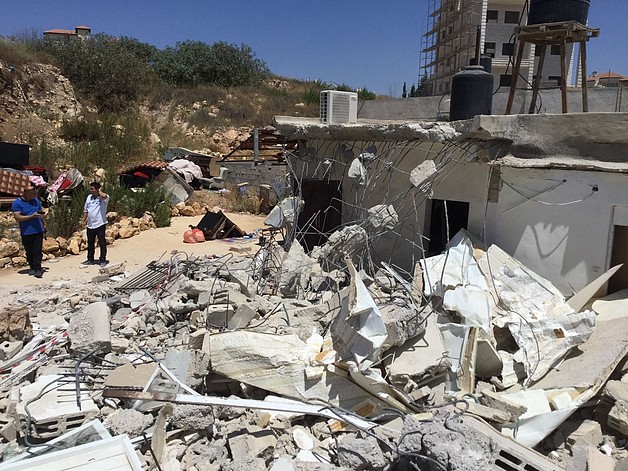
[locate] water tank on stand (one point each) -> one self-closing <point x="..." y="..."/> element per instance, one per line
<point x="471" y="93"/>
<point x="556" y="11"/>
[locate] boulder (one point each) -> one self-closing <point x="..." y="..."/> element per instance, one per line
<point x="9" y="249"/>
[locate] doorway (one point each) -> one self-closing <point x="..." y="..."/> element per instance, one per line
<point x="619" y="255"/>
<point x="322" y="213"/>
<point x="454" y="214"/>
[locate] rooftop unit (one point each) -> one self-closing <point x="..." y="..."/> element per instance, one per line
<point x="338" y="107"/>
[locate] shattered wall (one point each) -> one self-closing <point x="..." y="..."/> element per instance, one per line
<point x="381" y="173"/>
<point x="559" y="222"/>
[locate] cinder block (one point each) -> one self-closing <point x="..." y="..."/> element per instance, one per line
<point x="9" y="349"/>
<point x="56" y="411"/>
<point x="510" y="455"/>
<point x="8" y="428"/>
<point x="618" y="417"/>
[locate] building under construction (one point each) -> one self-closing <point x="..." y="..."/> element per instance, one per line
<point x="457" y="28"/>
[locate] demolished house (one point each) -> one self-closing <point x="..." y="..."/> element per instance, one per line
<point x="431" y="296"/>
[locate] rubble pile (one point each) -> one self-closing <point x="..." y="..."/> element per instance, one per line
<point x="277" y="361"/>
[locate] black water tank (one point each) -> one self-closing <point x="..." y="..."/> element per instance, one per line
<point x="485" y="61"/>
<point x="555" y="11"/>
<point x="471" y="93"/>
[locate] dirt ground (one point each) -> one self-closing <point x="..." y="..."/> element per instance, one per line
<point x="135" y="252"/>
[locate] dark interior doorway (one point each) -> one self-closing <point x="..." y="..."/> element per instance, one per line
<point x="444" y="211"/>
<point x="322" y="213"/>
<point x="619" y="255"/>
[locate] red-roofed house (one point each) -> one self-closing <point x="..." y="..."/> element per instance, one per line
<point x="78" y="32"/>
<point x="605" y="79"/>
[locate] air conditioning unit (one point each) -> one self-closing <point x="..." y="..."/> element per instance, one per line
<point x="339" y="107"/>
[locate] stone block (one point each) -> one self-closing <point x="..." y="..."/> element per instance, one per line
<point x="618" y="417"/>
<point x="89" y="329"/>
<point x="15" y="324"/>
<point x="218" y="315"/>
<point x="251" y="442"/>
<point x="589" y="432"/>
<point x="9" y="349"/>
<point x="241" y="318"/>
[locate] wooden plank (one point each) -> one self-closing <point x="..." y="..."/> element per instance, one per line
<point x="515" y="76"/>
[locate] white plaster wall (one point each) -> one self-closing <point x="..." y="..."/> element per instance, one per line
<point x="564" y="233"/>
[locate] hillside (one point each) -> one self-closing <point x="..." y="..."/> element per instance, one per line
<point x="39" y="106"/>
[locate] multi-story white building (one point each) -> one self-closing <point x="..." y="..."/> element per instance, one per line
<point x="450" y="43"/>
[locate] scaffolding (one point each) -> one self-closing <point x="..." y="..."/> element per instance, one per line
<point x="449" y="41"/>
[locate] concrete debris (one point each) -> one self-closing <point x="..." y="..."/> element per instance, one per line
<point x="422" y="173"/>
<point x="382" y="217"/>
<point x="349" y="240"/>
<point x="285" y="214"/>
<point x="292" y="361"/>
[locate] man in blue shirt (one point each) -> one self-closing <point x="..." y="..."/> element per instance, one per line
<point x="95" y="215"/>
<point x="29" y="214"/>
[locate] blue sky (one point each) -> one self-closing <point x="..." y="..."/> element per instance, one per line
<point x="369" y="43"/>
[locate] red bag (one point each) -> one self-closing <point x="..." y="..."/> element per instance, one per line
<point x="189" y="237"/>
<point x="198" y="235"/>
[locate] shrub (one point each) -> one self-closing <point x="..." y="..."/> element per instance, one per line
<point x="311" y="96"/>
<point x="64" y="219"/>
<point x="152" y="199"/>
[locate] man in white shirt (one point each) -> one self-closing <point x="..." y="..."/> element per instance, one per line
<point x="95" y="215"/>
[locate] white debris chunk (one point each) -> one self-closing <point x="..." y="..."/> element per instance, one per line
<point x="544" y="326"/>
<point x="359" y="330"/>
<point x="423" y="172"/>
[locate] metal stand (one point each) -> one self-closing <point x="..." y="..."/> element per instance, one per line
<point x="547" y="34"/>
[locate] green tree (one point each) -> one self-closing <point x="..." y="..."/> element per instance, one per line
<point x="103" y="67"/>
<point x="236" y="66"/>
<point x="404" y="92"/>
<point x="187" y="63"/>
<point x="425" y="87"/>
<point x="195" y="63"/>
<point x="413" y="91"/>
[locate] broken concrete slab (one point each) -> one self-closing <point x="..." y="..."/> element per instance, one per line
<point x="130" y="376"/>
<point x="349" y="240"/>
<point x="281" y="364"/>
<point x="253" y="441"/>
<point x="89" y="329"/>
<point x="582" y="297"/>
<point x="295" y="270"/>
<point x="382" y="217"/>
<point x="110" y="453"/>
<point x="402" y="322"/>
<point x="361" y="453"/>
<point x="241" y="318"/>
<point x="358" y="331"/>
<point x="129" y="422"/>
<point x="612" y="306"/>
<point x="419" y="358"/>
<point x="50" y="405"/>
<point x="591" y="365"/>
